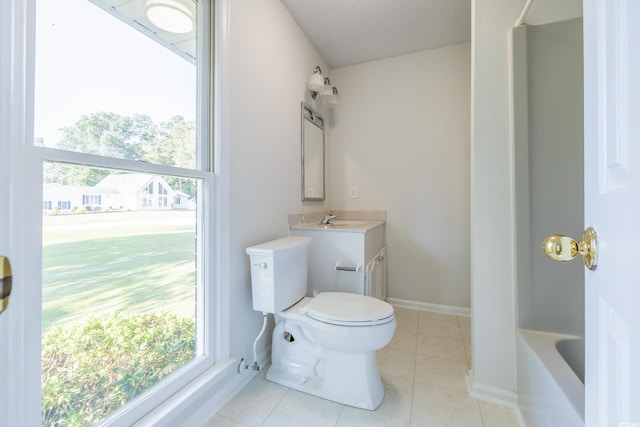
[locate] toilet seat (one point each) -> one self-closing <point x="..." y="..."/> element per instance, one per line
<point x="345" y="309"/>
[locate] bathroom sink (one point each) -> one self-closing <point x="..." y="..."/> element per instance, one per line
<point x="346" y="225"/>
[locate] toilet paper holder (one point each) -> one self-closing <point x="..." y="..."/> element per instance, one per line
<point x="341" y="267"/>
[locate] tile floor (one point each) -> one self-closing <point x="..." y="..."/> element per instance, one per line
<point x="423" y="370"/>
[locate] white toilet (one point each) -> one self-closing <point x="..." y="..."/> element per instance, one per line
<point x="323" y="345"/>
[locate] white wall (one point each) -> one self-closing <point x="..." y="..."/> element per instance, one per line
<point x="270" y="62"/>
<point x="492" y="288"/>
<point x="401" y="136"/>
<point x="553" y="298"/>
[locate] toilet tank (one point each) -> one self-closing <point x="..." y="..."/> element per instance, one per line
<point x="278" y="273"/>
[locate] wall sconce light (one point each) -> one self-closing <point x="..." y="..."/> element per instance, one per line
<point x="321" y="86"/>
<point x="333" y="99"/>
<point x="316" y="82"/>
<point x="170" y="15"/>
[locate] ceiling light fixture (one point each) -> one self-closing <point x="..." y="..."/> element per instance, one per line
<point x="170" y="15"/>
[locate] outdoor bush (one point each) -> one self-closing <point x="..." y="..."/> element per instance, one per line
<point x="92" y="369"/>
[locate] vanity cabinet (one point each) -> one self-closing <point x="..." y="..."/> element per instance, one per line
<point x="346" y="259"/>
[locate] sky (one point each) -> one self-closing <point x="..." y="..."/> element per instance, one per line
<point x="87" y="61"/>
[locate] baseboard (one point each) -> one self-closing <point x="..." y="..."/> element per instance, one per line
<point x="198" y="402"/>
<point x="426" y="306"/>
<point x="519" y="417"/>
<point x="212" y="406"/>
<point x="217" y="400"/>
<point x="490" y="393"/>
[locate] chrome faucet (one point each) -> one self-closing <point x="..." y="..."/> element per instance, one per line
<point x="327" y="219"/>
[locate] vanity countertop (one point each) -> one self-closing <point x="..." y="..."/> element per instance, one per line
<point x="342" y="225"/>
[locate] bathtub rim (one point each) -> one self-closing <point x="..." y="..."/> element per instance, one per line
<point x="543" y="346"/>
<point x="566" y="348"/>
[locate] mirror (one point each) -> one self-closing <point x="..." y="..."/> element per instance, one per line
<point x="312" y="155"/>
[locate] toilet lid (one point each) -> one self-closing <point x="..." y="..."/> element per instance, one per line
<point x="341" y="308"/>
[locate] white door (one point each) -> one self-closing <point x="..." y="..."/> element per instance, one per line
<point x="612" y="207"/>
<point x="14" y="348"/>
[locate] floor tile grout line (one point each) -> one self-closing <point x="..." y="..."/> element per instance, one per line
<point x="442" y="336"/>
<point x="413" y="387"/>
<point x="444" y="389"/>
<point x="339" y="416"/>
<point x="230" y="419"/>
<point x="443" y="358"/>
<point x="480" y="411"/>
<point x="275" y="406"/>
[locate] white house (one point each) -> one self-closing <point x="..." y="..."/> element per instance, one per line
<point x="140" y="191"/>
<point x="182" y="200"/>
<point x="121" y="191"/>
<point x="70" y="197"/>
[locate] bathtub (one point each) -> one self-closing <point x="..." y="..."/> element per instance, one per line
<point x="550" y="379"/>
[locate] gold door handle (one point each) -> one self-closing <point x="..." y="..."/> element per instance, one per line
<point x="564" y="248"/>
<point x="5" y="282"/>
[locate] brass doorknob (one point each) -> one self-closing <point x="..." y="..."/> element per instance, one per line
<point x="5" y="282"/>
<point x="563" y="248"/>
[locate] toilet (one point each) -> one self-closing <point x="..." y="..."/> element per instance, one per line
<point x="323" y="345"/>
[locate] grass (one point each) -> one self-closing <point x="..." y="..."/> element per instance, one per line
<point x="130" y="262"/>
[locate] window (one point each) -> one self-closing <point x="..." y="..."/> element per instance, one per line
<point x="117" y="129"/>
<point x="163" y="201"/>
<point x="91" y="199"/>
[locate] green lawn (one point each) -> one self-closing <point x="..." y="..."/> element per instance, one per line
<point x="129" y="262"/>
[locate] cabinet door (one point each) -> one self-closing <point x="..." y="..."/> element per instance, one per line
<point x="376" y="279"/>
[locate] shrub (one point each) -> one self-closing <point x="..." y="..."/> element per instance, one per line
<point x="90" y="370"/>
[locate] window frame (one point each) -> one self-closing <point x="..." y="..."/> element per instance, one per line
<point x="209" y="322"/>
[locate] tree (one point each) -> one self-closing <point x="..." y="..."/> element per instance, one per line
<point x="134" y="137"/>
<point x="175" y="143"/>
<point x="110" y="134"/>
<point x="176" y="146"/>
<point x="72" y="175"/>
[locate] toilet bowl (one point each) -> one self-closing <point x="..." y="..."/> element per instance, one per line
<point x="323" y="345"/>
<point x="329" y="353"/>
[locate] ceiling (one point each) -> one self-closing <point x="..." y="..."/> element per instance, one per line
<point x="348" y="32"/>
<point x="345" y="32"/>
<point x="132" y="12"/>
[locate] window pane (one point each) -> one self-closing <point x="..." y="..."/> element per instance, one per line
<point x="113" y="87"/>
<point x="119" y="288"/>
